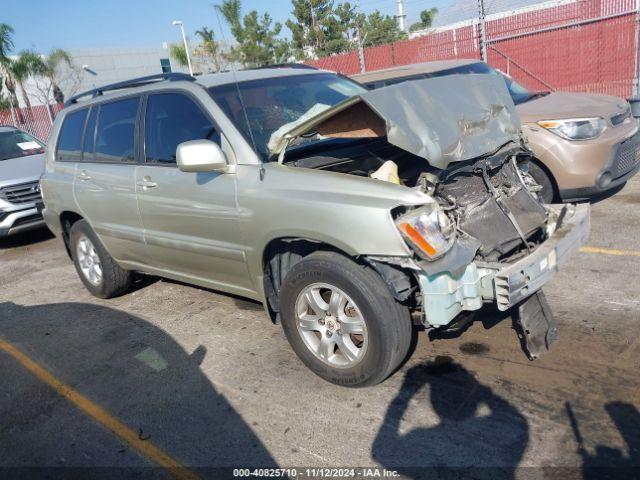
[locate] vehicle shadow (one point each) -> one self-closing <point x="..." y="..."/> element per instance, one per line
<point x="27" y="238"/>
<point x="136" y="372"/>
<point x="476" y="433"/>
<point x="607" y="462"/>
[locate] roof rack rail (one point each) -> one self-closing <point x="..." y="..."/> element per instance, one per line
<point x="134" y="82"/>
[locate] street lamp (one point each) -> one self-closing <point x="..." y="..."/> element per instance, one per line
<point x="178" y="23"/>
<point x="88" y="70"/>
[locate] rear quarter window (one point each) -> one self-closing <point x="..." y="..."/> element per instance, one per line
<point x="69" y="148"/>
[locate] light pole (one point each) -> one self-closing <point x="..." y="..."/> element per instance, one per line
<point x="483" y="31"/>
<point x="186" y="47"/>
<point x="401" y="17"/>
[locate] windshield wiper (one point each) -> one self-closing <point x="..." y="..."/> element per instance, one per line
<point x="536" y="95"/>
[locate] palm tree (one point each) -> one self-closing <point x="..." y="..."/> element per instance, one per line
<point x="6" y="46"/>
<point x="27" y="64"/>
<point x="179" y="54"/>
<point x="5" y="103"/>
<point x="56" y="57"/>
<point x="210" y="47"/>
<point x="6" y="40"/>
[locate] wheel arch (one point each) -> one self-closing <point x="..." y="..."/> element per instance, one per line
<point x="279" y="256"/>
<point x="67" y="219"/>
<point x="282" y="253"/>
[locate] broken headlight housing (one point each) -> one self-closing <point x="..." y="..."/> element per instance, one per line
<point x="428" y="230"/>
<point x="576" y="128"/>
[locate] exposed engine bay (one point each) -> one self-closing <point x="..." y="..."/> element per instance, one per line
<point x="491" y="201"/>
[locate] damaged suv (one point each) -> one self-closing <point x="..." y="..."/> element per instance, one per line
<point x="350" y="214"/>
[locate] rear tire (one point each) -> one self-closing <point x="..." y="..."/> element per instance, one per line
<point x="371" y="331"/>
<point x="99" y="272"/>
<point x="540" y="175"/>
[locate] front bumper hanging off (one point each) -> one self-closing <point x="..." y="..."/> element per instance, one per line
<point x="445" y="296"/>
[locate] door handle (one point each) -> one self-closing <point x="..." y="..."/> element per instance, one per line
<point x="83" y="175"/>
<point x="146" y="183"/>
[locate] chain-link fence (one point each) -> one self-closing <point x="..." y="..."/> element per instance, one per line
<point x="36" y="120"/>
<point x="575" y="45"/>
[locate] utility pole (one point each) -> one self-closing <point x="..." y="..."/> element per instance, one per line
<point x="361" y="60"/>
<point x="360" y="40"/>
<point x="401" y="17"/>
<point x="483" y="33"/>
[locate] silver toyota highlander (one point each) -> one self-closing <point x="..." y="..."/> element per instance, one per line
<point x="21" y="164"/>
<point x="352" y="215"/>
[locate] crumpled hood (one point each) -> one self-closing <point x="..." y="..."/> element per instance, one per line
<point x="443" y="120"/>
<point x="16" y="170"/>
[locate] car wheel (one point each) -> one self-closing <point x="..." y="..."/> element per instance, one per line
<point x="342" y="321"/>
<point x="99" y="272"/>
<point x="540" y="175"/>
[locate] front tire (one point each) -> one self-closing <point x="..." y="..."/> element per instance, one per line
<point x="342" y="321"/>
<point x="99" y="272"/>
<point x="540" y="175"/>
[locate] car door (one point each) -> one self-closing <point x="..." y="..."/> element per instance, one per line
<point x="191" y="220"/>
<point x="104" y="185"/>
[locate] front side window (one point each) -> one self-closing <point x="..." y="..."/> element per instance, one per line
<point x="115" y="134"/>
<point x="173" y="118"/>
<point x="265" y="105"/>
<point x="70" y="138"/>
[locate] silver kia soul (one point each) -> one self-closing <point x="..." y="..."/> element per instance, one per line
<point x="352" y="215"/>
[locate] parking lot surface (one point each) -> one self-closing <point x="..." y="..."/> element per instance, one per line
<point x="175" y="376"/>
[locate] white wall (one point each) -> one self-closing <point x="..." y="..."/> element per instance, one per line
<point x="110" y="65"/>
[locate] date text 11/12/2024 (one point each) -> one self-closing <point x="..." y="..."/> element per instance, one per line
<point x="372" y="472"/>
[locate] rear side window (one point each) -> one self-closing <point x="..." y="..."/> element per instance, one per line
<point x="70" y="138"/>
<point x="173" y="118"/>
<point x="115" y="133"/>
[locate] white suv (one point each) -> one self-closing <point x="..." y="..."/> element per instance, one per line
<point x="21" y="164"/>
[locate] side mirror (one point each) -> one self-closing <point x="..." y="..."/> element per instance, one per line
<point x="200" y="156"/>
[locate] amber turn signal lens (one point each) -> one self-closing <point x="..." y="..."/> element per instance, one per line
<point x="418" y="239"/>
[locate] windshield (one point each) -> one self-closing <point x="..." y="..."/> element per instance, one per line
<point x="14" y="144"/>
<point x="271" y="103"/>
<point x="518" y="93"/>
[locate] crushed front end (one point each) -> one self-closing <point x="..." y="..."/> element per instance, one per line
<point x="491" y="242"/>
<point x="482" y="235"/>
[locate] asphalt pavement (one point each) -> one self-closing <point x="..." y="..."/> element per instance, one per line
<point x="173" y="380"/>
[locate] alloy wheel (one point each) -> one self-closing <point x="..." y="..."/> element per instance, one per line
<point x="89" y="261"/>
<point x="331" y="325"/>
